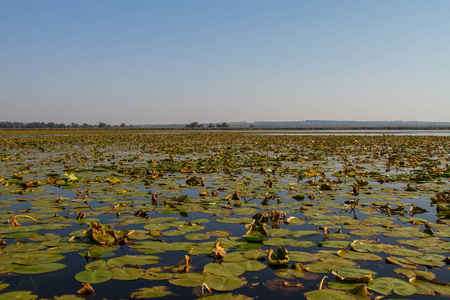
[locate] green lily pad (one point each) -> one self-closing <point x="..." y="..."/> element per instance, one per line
<point x="401" y="262"/>
<point x="204" y="248"/>
<point x="227" y="297"/>
<point x="334" y="263"/>
<point x="301" y="256"/>
<point x="289" y="273"/>
<point x="304" y="233"/>
<point x="224" y="283"/>
<point x="353" y="274"/>
<point x="127" y="273"/>
<point x="388" y="286"/>
<point x="252" y="265"/>
<point x="234" y="257"/>
<point x="416" y="273"/>
<point x="20" y="235"/>
<point x="279" y="242"/>
<point x="357" y="255"/>
<point x="439" y="288"/>
<point x="335" y="244"/>
<point x="34" y="258"/>
<point x="338" y="236"/>
<point x="253" y="238"/>
<point x="94" y="276"/>
<point x="156" y="274"/>
<point x="400" y="251"/>
<point x="153" y="292"/>
<point x="38" y="269"/>
<point x="156" y="226"/>
<point x="25" y="295"/>
<point x="329" y="294"/>
<point x="188" y="279"/>
<point x="197" y="236"/>
<point x="255" y="254"/>
<point x="174" y="232"/>
<point x="227" y="269"/>
<point x="241" y="220"/>
<point x="344" y="285"/>
<point x="430" y="260"/>
<point x="19" y="247"/>
<point x="191" y="228"/>
<point x="97" y="264"/>
<point x="221" y="233"/>
<point x="134" y="260"/>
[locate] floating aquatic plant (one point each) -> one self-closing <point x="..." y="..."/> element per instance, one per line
<point x="371" y="209"/>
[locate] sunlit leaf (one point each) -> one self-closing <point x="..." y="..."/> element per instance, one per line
<point x="25" y="295"/>
<point x="127" y="273"/>
<point x="38" y="268"/>
<point x="94" y="276"/>
<point x="388" y="285"/>
<point x="224" y="283"/>
<point x="357" y="255"/>
<point x="153" y="292"/>
<point x="329" y="294"/>
<point x="227" y="269"/>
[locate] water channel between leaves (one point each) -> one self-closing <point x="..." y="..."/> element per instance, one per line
<point x="223" y="215"/>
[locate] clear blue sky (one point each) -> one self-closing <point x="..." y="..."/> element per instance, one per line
<point x="160" y="62"/>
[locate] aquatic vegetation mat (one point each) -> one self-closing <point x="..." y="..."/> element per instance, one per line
<point x="223" y="215"/>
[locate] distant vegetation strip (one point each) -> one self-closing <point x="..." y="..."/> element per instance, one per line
<point x="300" y="125"/>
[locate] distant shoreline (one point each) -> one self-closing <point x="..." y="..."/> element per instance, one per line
<point x="141" y="128"/>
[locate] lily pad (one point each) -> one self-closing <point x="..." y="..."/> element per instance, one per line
<point x="224" y="283"/>
<point x="153" y="292"/>
<point x="329" y="294"/>
<point x="94" y="276"/>
<point x="134" y="260"/>
<point x="353" y="274"/>
<point x="357" y="255"/>
<point x="334" y="244"/>
<point x="188" y="279"/>
<point x="156" y="274"/>
<point x="439" y="288"/>
<point x="26" y="295"/>
<point x="38" y="269"/>
<point x="127" y="273"/>
<point x="252" y="265"/>
<point x="388" y="286"/>
<point x="197" y="236"/>
<point x="227" y="269"/>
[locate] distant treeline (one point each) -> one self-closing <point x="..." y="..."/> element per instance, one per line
<point x="237" y="126"/>
<point x="31" y="125"/>
<point x="210" y="125"/>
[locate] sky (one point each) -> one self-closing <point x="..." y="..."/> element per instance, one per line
<point x="177" y="61"/>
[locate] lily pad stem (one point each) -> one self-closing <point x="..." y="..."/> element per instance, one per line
<point x="204" y="285"/>
<point x="323" y="282"/>
<point x="25" y="216"/>
<point x="301" y="188"/>
<point x="434" y="181"/>
<point x="245" y="194"/>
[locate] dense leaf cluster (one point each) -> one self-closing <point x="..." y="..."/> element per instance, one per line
<point x="206" y="213"/>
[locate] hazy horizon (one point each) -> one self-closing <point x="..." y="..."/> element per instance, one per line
<point x="177" y="62"/>
<point x="259" y="124"/>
